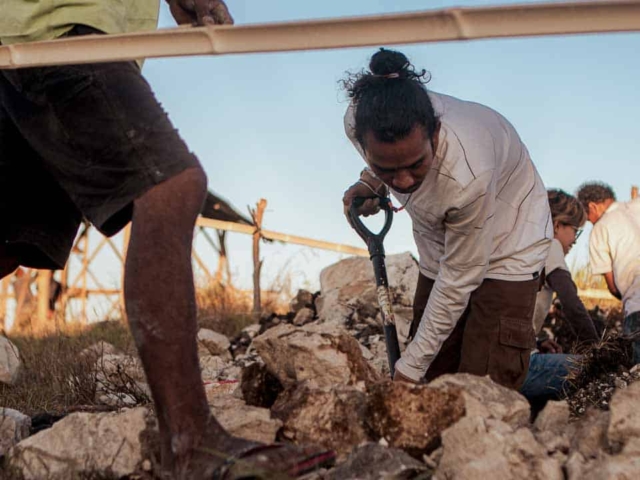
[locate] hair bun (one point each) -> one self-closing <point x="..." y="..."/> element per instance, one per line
<point x="386" y="62"/>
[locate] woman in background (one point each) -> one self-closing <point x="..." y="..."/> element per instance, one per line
<point x="549" y="367"/>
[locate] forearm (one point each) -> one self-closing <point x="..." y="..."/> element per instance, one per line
<point x="447" y="302"/>
<point x="576" y="314"/>
<point x="611" y="285"/>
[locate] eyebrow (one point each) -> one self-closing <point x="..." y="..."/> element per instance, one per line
<point x="390" y="170"/>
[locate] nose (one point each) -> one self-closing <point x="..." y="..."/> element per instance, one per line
<point x="402" y="180"/>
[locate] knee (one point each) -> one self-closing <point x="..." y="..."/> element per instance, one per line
<point x="196" y="189"/>
<point x="188" y="192"/>
<point x="190" y="186"/>
<point x="183" y="194"/>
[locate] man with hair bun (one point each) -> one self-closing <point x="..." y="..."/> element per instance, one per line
<point x="480" y="217"/>
<point x="614" y="249"/>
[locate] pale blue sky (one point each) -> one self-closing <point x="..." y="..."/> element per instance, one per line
<point x="270" y="125"/>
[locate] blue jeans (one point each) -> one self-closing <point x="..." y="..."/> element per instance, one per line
<point x="632" y="325"/>
<point x="547" y="374"/>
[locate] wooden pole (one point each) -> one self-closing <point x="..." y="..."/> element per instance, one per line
<point x="4" y="296"/>
<point x="283" y="237"/>
<point x="44" y="290"/>
<point x="61" y="316"/>
<point x="23" y="317"/>
<point x="85" y="267"/>
<point x="126" y="237"/>
<point x="223" y="259"/>
<point x="257" y="215"/>
<point x="634" y="192"/>
<point x="468" y="23"/>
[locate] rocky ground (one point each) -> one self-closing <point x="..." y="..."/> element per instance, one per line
<point x="319" y="375"/>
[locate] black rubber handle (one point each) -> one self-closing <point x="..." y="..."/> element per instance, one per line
<point x="366" y="234"/>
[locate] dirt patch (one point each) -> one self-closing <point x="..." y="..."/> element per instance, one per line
<point x="607" y="321"/>
<point x="259" y="387"/>
<point x="602" y="368"/>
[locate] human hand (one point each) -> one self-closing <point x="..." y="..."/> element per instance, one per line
<point x="398" y="377"/>
<point x="549" y="346"/>
<point x="370" y="206"/>
<point x="369" y="187"/>
<point x="200" y="12"/>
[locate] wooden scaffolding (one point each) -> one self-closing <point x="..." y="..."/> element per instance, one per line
<point x="79" y="282"/>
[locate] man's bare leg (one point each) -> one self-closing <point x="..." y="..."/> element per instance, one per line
<point x="160" y="303"/>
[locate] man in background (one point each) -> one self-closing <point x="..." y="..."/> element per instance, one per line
<point x="614" y="249"/>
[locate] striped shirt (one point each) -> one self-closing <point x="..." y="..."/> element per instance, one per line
<point x="481" y="212"/>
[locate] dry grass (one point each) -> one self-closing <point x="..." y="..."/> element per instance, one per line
<point x="224" y="309"/>
<point x="584" y="279"/>
<point x="602" y="304"/>
<point x="54" y="377"/>
<point x="227" y="310"/>
<point x="56" y="380"/>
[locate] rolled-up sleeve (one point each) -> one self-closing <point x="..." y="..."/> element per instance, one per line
<point x="468" y="245"/>
<point x="599" y="252"/>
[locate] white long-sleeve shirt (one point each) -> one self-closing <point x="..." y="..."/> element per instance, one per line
<point x="481" y="212"/>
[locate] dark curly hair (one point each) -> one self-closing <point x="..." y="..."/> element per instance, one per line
<point x="596" y="192"/>
<point x="391" y="98"/>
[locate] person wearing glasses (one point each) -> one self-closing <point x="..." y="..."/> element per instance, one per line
<point x="614" y="249"/>
<point x="548" y="365"/>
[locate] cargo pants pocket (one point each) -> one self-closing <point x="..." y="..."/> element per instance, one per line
<point x="509" y="360"/>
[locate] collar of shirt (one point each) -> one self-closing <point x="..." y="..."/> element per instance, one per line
<point x="614" y="206"/>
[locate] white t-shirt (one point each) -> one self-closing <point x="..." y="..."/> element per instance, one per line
<point x="544" y="299"/>
<point x="484" y="200"/>
<point x="614" y="246"/>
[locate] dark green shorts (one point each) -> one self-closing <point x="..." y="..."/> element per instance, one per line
<point x="80" y="141"/>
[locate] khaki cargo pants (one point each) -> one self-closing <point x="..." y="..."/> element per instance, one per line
<point x="493" y="337"/>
